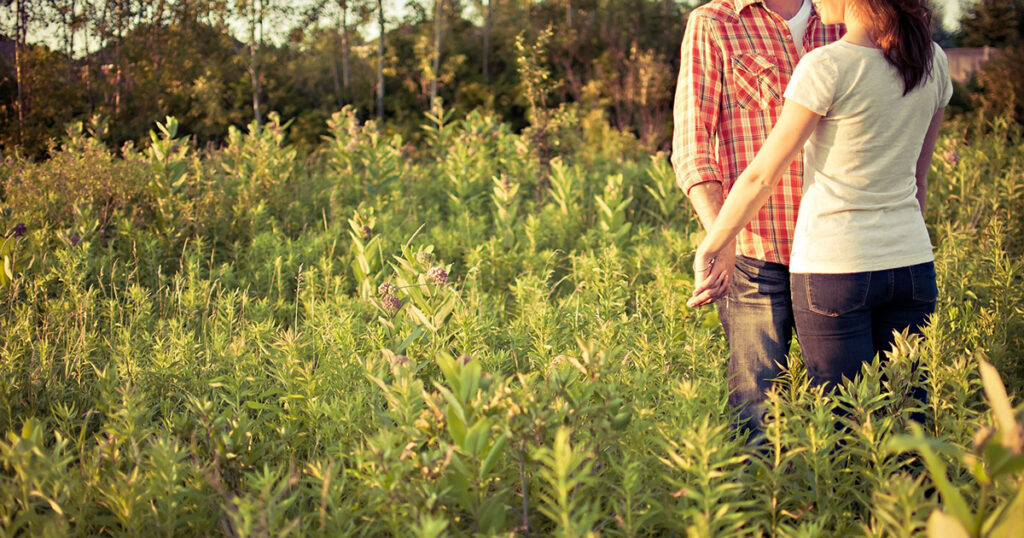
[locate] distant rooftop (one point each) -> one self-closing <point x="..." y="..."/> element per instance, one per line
<point x="965" y="62"/>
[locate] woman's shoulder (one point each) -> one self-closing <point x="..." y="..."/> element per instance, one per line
<point x="821" y="59"/>
<point x="939" y="56"/>
<point x="822" y="53"/>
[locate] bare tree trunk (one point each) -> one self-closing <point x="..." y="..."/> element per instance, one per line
<point x="19" y="35"/>
<point x="120" y="21"/>
<point x="380" y="61"/>
<point x="438" y="11"/>
<point x="335" y="78"/>
<point x="487" y="40"/>
<point x="346" y="46"/>
<point x="67" y="19"/>
<point x="253" y="66"/>
<point x="87" y="65"/>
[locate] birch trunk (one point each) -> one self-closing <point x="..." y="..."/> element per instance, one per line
<point x="488" y="21"/>
<point x="19" y="36"/>
<point x="253" y="65"/>
<point x="380" y="61"/>
<point x="346" y="45"/>
<point x="436" y="68"/>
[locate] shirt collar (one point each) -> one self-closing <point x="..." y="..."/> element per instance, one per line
<point x="739" y="5"/>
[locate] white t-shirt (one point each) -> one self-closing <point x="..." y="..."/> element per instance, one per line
<point x="798" y="25"/>
<point x="859" y="210"/>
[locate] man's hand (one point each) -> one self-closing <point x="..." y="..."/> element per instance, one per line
<point x="712" y="272"/>
<point x="712" y="275"/>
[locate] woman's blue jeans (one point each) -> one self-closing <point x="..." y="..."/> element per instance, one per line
<point x="844" y="320"/>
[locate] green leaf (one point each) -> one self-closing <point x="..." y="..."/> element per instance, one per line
<point x="951" y="497"/>
<point x="456" y="426"/>
<point x="1009" y="466"/>
<point x="496" y="450"/>
<point x="1002" y="410"/>
<point x="478" y="436"/>
<point x="492" y="516"/>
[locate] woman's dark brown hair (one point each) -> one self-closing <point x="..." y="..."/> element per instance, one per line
<point x="903" y="31"/>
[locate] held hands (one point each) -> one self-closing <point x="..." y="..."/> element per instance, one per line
<point x="712" y="274"/>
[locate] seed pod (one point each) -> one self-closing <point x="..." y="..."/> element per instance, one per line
<point x="438" y="275"/>
<point x="386" y="288"/>
<point x="391" y="304"/>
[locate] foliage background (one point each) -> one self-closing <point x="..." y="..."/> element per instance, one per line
<point x="135" y="62"/>
<point x="466" y="320"/>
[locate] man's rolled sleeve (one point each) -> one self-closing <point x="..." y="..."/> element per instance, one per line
<point x="697" y="105"/>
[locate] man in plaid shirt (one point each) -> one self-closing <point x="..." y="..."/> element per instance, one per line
<point x="737" y="57"/>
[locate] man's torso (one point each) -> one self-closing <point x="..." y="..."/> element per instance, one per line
<point x="759" y="55"/>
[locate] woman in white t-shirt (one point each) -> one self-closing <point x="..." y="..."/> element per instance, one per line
<point x="869" y="108"/>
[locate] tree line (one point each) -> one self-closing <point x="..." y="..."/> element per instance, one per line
<point x="215" y="63"/>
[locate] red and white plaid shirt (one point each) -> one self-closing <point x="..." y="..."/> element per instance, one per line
<point x="737" y="58"/>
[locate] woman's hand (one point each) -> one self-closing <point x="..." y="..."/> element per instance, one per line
<point x="712" y="274"/>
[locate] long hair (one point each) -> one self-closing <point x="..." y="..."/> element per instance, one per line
<point x="903" y="31"/>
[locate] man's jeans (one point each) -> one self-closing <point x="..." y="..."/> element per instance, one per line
<point x="757" y="315"/>
<point x="844" y="320"/>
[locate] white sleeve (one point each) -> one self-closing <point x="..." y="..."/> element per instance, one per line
<point x="941" y="73"/>
<point x="813" y="84"/>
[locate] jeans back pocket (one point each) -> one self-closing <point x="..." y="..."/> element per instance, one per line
<point x="836" y="294"/>
<point x="922" y="277"/>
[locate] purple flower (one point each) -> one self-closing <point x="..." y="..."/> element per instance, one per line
<point x="19" y="230"/>
<point x="391" y="304"/>
<point x="952" y="157"/>
<point x="387" y="288"/>
<point x="367" y="231"/>
<point x="438" y="275"/>
<point x="74" y="239"/>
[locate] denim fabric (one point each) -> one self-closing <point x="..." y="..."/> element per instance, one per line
<point x="844" y="320"/>
<point x="758" y="320"/>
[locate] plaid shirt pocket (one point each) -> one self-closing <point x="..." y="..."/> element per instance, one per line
<point x="756" y="78"/>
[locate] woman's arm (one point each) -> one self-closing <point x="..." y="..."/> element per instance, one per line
<point x="751" y="190"/>
<point x="924" y="161"/>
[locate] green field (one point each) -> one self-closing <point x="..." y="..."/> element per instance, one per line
<point x="196" y="343"/>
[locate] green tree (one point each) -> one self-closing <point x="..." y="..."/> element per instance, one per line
<point x="994" y="23"/>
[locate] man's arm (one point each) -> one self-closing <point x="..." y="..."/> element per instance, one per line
<point x="696" y="114"/>
<point x="706" y="199"/>
<point x="753" y="188"/>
